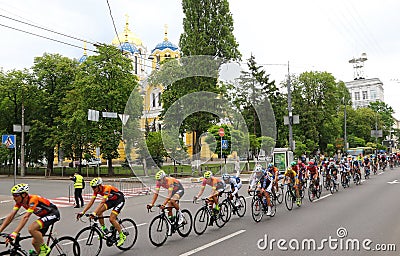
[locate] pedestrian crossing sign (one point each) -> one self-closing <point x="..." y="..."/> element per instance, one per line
<point x="8" y="141"/>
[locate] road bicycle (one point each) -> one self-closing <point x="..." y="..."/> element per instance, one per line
<point x="345" y="177"/>
<point x="206" y="216"/>
<point x="92" y="236"/>
<point x="366" y="172"/>
<point x="259" y="206"/>
<point x="235" y="206"/>
<point x="313" y="191"/>
<point x="162" y="226"/>
<point x="290" y="197"/>
<point x="65" y="245"/>
<point x="357" y="177"/>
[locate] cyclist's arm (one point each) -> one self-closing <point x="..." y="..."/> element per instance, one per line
<point x="155" y="196"/>
<point x="201" y="191"/>
<point x="170" y="189"/>
<point x="103" y="201"/>
<point x="8" y="219"/>
<point x="23" y="221"/>
<point x="87" y="207"/>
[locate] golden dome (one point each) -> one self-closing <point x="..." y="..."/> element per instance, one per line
<point x="127" y="36"/>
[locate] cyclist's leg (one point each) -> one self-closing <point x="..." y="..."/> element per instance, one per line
<point x="116" y="206"/>
<point x="39" y="227"/>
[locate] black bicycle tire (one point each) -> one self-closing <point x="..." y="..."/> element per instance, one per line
<point x="288" y="200"/>
<point x="221" y="219"/>
<point x="157" y="220"/>
<point x="91" y="231"/>
<point x="242" y="205"/>
<point x="227" y="202"/>
<point x="190" y="219"/>
<point x="202" y="212"/>
<point x="257" y="204"/>
<point x="127" y="233"/>
<point x="76" y="247"/>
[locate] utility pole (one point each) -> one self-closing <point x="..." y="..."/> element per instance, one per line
<point x="23" y="138"/>
<point x="345" y="125"/>
<point x="290" y="111"/>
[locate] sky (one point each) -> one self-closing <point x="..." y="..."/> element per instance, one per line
<point x="310" y="35"/>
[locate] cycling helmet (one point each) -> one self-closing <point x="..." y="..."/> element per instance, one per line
<point x="258" y="168"/>
<point x="160" y="175"/>
<point x="226" y="176"/>
<point x="96" y="182"/>
<point x="293" y="163"/>
<point x="270" y="165"/>
<point x="20" y="188"/>
<point x="207" y="174"/>
<point x="311" y="163"/>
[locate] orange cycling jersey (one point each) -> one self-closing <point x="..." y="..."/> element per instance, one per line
<point x="169" y="183"/>
<point x="109" y="192"/>
<point x="37" y="205"/>
<point x="213" y="182"/>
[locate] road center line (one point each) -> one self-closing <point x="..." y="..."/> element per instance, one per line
<point x="212" y="243"/>
<point x="322" y="197"/>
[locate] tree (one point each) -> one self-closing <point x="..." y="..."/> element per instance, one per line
<point x="315" y="98"/>
<point x="208" y="30"/>
<point x="53" y="75"/>
<point x="104" y="82"/>
<point x="385" y="113"/>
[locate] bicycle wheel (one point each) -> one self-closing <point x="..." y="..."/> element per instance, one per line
<point x="257" y="209"/>
<point x="230" y="209"/>
<point x="129" y="228"/>
<point x="273" y="206"/>
<point x="311" y="192"/>
<point x="186" y="226"/>
<point x="241" y="208"/>
<point x="201" y="219"/>
<point x="280" y="195"/>
<point x="222" y="216"/>
<point x="90" y="241"/>
<point x="288" y="200"/>
<point x="158" y="230"/>
<point x="65" y="246"/>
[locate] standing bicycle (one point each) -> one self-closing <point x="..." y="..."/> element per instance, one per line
<point x="62" y="246"/>
<point x="46" y="211"/>
<point x="164" y="225"/>
<point x="91" y="237"/>
<point x="112" y="199"/>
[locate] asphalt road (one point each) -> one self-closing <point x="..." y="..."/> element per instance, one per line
<point x="366" y="215"/>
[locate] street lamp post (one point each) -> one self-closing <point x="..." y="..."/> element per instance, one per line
<point x="345" y="125"/>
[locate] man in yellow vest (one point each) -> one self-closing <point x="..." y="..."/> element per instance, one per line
<point x="79" y="185"/>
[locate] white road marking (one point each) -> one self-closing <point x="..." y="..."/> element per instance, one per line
<point x="212" y="243"/>
<point x="322" y="197"/>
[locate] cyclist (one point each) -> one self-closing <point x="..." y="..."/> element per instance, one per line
<point x="235" y="184"/>
<point x="290" y="177"/>
<point x="367" y="166"/>
<point x="313" y="174"/>
<point x="262" y="181"/>
<point x="217" y="187"/>
<point x="275" y="176"/>
<point x="112" y="199"/>
<point x="175" y="192"/>
<point x="356" y="167"/>
<point x="41" y="207"/>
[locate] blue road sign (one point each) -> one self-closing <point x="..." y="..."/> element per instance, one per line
<point x="224" y="144"/>
<point x="8" y="140"/>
